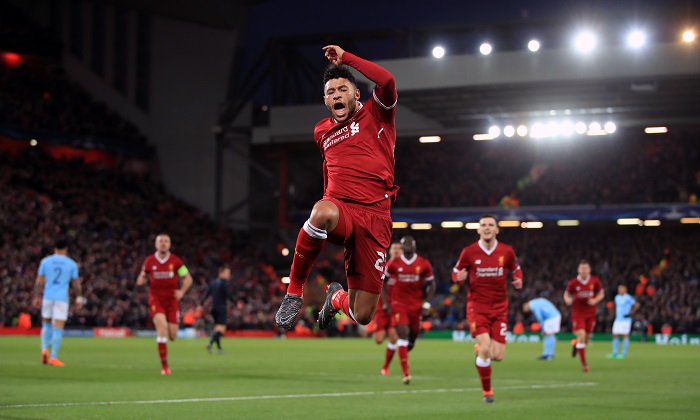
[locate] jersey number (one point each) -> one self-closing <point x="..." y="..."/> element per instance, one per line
<point x="58" y="272"/>
<point x="379" y="264"/>
<point x="504" y="329"/>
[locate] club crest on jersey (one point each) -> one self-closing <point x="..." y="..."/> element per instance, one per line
<point x="170" y="267"/>
<point x="477" y="262"/>
<point x="400" y="269"/>
<point x="155" y="268"/>
<point x="354" y="128"/>
<point x="500" y="261"/>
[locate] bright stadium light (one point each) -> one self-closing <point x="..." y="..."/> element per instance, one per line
<point x="485" y="48"/>
<point x="580" y="127"/>
<point x="551" y="130"/>
<point x="566" y="128"/>
<point x="690" y="220"/>
<point x="629" y="222"/>
<point x="533" y="45"/>
<point x="688" y="36"/>
<point x="452" y="224"/>
<point x="509" y="223"/>
<point x="585" y="42"/>
<point x="399" y="225"/>
<point x="531" y="225"/>
<point x="570" y="222"/>
<point x="472" y="225"/>
<point x="656" y="130"/>
<point x="636" y="39"/>
<point x="610" y="127"/>
<point x="480" y="137"/>
<point x="429" y="139"/>
<point x="652" y="223"/>
<point x="537" y="130"/>
<point x="438" y="52"/>
<point x="494" y="131"/>
<point x="509" y="131"/>
<point x="33" y="142"/>
<point x="421" y="226"/>
<point x="522" y="130"/>
<point x="284" y="252"/>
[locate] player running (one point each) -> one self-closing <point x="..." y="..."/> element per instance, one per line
<point x="56" y="273"/>
<point x="382" y="323"/>
<point x="583" y="293"/>
<point x="549" y="318"/>
<point x="412" y="275"/>
<point x="486" y="263"/>
<point x="357" y="145"/>
<point x="625" y="307"/>
<point x="165" y="269"/>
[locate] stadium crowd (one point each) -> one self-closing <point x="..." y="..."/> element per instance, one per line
<point x="112" y="215"/>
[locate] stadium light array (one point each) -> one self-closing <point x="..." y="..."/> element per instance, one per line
<point x="585" y="42"/>
<point x="656" y="130"/>
<point x="485" y="48"/>
<point x="551" y="129"/>
<point x="531" y="225"/>
<point x="652" y="223"/>
<point x="438" y="52"/>
<point x="472" y="225"/>
<point x="533" y="45"/>
<point x="690" y="220"/>
<point x="629" y="222"/>
<point x="568" y="222"/>
<point x="399" y="225"/>
<point x="636" y="39"/>
<point x="509" y="223"/>
<point x="688" y="36"/>
<point x="429" y="139"/>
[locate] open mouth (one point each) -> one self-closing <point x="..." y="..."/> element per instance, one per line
<point x="338" y="105"/>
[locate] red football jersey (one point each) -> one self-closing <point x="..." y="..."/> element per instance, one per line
<point x="358" y="154"/>
<point x="410" y="276"/>
<point x="163" y="275"/>
<point x="487" y="275"/>
<point x="582" y="291"/>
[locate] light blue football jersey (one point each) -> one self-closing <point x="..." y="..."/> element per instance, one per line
<point x="623" y="306"/>
<point x="59" y="270"/>
<point x="543" y="309"/>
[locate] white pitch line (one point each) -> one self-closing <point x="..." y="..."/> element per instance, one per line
<point x="290" y="396"/>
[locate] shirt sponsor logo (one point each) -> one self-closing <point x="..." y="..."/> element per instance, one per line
<point x="163" y="275"/>
<point x="489" y="271"/>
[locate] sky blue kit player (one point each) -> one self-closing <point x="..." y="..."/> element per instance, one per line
<point x="549" y="318"/>
<point x="56" y="272"/>
<point x="625" y="306"/>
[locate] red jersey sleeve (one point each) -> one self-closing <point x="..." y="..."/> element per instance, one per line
<point x="428" y="274"/>
<point x="385" y="85"/>
<point x="146" y="267"/>
<point x="462" y="263"/>
<point x="391" y="269"/>
<point x="570" y="288"/>
<point x="598" y="287"/>
<point x="514" y="266"/>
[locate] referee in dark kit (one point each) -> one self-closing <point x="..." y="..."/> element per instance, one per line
<point x="219" y="290"/>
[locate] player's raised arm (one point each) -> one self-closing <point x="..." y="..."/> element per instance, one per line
<point x="459" y="272"/>
<point x="385" y="89"/>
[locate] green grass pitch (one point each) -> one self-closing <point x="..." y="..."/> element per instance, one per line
<point x="339" y="378"/>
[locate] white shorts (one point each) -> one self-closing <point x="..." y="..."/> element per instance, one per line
<point x="552" y="325"/>
<point x="54" y="309"/>
<point x="622" y="327"/>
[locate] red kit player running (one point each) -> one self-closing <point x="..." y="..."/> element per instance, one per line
<point x="357" y="145"/>
<point x="164" y="270"/>
<point x="485" y="264"/>
<point x="412" y="274"/>
<point x="382" y="323"/>
<point x="584" y="292"/>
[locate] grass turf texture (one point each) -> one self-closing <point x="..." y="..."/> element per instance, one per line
<point x="339" y="378"/>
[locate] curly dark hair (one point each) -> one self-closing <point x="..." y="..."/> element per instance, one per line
<point x="338" y="72"/>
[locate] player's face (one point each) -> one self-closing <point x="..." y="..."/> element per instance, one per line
<point x="395" y="250"/>
<point x="163" y="243"/>
<point x="622" y="290"/>
<point x="584" y="271"/>
<point x="488" y="228"/>
<point x="408" y="245"/>
<point x="341" y="98"/>
<point x="225" y="274"/>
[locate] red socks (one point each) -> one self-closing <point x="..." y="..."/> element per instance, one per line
<point x="388" y="356"/>
<point x="308" y="246"/>
<point x="403" y="358"/>
<point x="163" y="352"/>
<point x="582" y="353"/>
<point x="341" y="301"/>
<point x="484" y="368"/>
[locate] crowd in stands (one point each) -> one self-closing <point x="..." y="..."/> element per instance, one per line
<point x="624" y="168"/>
<point x="110" y="218"/>
<point x="42" y="97"/>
